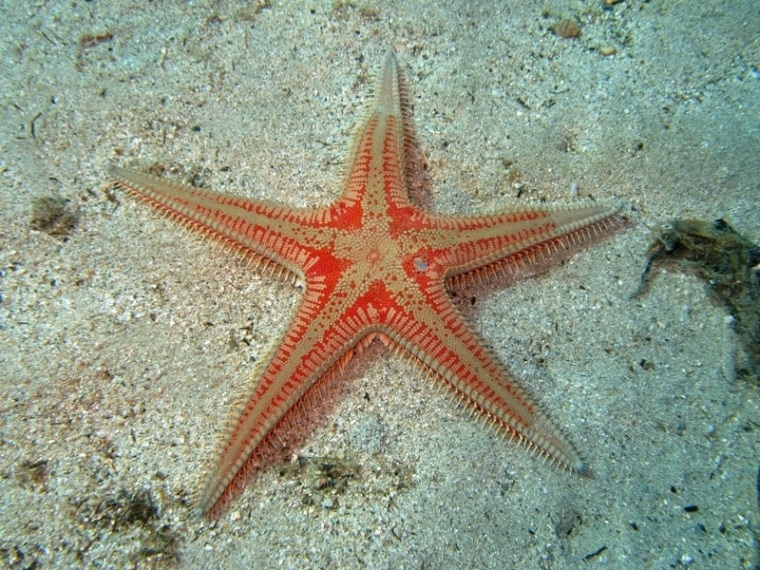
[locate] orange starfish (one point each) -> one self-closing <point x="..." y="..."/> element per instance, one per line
<point x="375" y="266"/>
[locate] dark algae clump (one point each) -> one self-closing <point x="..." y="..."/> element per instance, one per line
<point x="52" y="215"/>
<point x="730" y="264"/>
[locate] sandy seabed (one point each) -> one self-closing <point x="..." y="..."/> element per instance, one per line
<point x="123" y="339"/>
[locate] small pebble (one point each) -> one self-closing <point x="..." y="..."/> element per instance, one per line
<point x="567" y="29"/>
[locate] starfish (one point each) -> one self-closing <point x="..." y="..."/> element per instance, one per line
<point x="374" y="265"/>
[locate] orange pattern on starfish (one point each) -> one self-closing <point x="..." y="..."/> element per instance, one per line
<point x="376" y="266"/>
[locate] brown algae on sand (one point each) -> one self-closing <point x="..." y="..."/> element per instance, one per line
<point x="54" y="216"/>
<point x="730" y="264"/>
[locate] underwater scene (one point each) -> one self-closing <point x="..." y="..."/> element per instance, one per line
<point x="362" y="284"/>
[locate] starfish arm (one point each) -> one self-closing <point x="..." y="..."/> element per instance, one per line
<point x="465" y="244"/>
<point x="384" y="160"/>
<point x="437" y="336"/>
<point x="285" y="236"/>
<point x="320" y="341"/>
